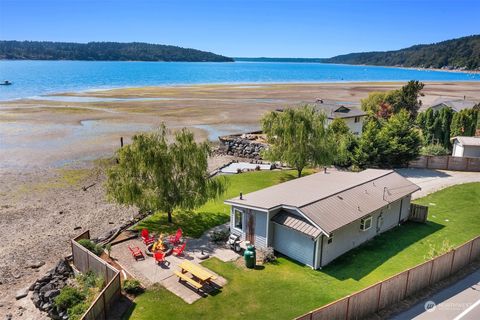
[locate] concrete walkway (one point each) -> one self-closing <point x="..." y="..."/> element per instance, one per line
<point x="459" y="301"/>
<point x="433" y="180"/>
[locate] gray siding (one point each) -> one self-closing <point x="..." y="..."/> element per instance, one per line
<point x="293" y="244"/>
<point x="350" y="236"/>
<point x="260" y="226"/>
<point x="471" y="151"/>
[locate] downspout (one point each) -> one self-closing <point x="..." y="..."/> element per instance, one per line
<point x="314" y="262"/>
<point x="321" y="252"/>
<point x="400" y="213"/>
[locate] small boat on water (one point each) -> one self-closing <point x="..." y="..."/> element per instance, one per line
<point x="5" y="83"/>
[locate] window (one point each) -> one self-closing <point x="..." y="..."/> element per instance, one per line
<point x="365" y="223"/>
<point x="238" y="219"/>
<point x="357" y="119"/>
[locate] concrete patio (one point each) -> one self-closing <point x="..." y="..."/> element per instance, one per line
<point x="149" y="272"/>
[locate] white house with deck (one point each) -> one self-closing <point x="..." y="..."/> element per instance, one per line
<point x="353" y="116"/>
<point x="315" y="219"/>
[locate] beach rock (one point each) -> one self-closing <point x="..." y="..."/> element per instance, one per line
<point x="36" y="264"/>
<point x="52" y="294"/>
<point x="22" y="293"/>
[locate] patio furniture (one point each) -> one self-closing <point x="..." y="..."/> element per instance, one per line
<point x="136" y="253"/>
<point x="179" y="250"/>
<point x="175" y="239"/>
<point x="147" y="239"/>
<point x="187" y="279"/>
<point x="159" y="257"/>
<point x="198" y="272"/>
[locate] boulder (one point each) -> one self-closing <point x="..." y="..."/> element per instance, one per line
<point x="22" y="293"/>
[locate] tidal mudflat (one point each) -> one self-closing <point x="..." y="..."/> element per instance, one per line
<point x="49" y="146"/>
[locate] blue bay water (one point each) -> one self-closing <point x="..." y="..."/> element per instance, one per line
<point x="33" y="78"/>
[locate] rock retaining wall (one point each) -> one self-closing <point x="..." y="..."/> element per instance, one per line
<point x="48" y="287"/>
<point x="243" y="148"/>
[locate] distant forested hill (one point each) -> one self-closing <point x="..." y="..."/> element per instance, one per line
<point x="135" y="51"/>
<point x="461" y="53"/>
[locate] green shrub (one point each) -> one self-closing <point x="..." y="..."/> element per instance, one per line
<point x="69" y="297"/>
<point x="90" y="280"/>
<point x="220" y="236"/>
<point x="91" y="246"/>
<point x="77" y="311"/>
<point x="132" y="286"/>
<point x="434" y="150"/>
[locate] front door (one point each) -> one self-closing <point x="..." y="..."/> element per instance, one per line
<point x="250" y="236"/>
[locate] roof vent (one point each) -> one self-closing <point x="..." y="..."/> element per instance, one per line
<point x="339" y="197"/>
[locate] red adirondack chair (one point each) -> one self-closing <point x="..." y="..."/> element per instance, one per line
<point x="159" y="257"/>
<point x="147" y="239"/>
<point x="175" y="239"/>
<point x="179" y="250"/>
<point x="136" y="253"/>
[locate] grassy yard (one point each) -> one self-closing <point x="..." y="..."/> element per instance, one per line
<point x="287" y="289"/>
<point x="214" y="212"/>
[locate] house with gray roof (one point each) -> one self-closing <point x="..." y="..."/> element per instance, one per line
<point x="456" y="105"/>
<point x="466" y="147"/>
<point x="352" y="115"/>
<point x="317" y="218"/>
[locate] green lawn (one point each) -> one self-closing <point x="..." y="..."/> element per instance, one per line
<point x="286" y="289"/>
<point x="214" y="212"/>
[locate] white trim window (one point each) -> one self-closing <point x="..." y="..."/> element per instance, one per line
<point x="365" y="223"/>
<point x="238" y="219"/>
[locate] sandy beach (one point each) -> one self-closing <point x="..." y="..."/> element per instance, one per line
<point x="48" y="148"/>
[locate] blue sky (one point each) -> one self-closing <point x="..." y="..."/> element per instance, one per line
<point x="245" y="28"/>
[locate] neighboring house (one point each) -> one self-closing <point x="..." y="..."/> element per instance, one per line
<point x="352" y="116"/>
<point x="457" y="105"/>
<point x="315" y="219"/>
<point x="466" y="146"/>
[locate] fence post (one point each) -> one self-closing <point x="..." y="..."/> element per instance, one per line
<point x="379" y="295"/>
<point x="471" y="249"/>
<point x="428" y="157"/>
<point x="448" y="162"/>
<point x="104" y="306"/>
<point x="431" y="272"/>
<point x="406" y="284"/>
<point x="453" y="259"/>
<point x="348" y="307"/>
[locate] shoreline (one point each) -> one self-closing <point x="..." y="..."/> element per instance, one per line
<point x="247" y="85"/>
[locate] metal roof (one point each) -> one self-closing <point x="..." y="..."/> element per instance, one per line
<point x="333" y="199"/>
<point x="468" y="141"/>
<point x="456" y="104"/>
<point x="296" y="222"/>
<point x="352" y="204"/>
<point x="333" y="111"/>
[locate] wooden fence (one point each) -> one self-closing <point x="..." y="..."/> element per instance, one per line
<point x="85" y="261"/>
<point x="446" y="163"/>
<point x="380" y="295"/>
<point x="418" y="213"/>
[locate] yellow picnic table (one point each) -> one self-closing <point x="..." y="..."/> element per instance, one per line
<point x="197" y="271"/>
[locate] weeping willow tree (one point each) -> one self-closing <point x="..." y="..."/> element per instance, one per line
<point x="155" y="175"/>
<point x="299" y="138"/>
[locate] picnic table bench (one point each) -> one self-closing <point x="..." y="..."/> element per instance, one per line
<point x="200" y="275"/>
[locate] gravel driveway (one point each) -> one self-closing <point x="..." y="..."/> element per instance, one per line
<point x="433" y="180"/>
